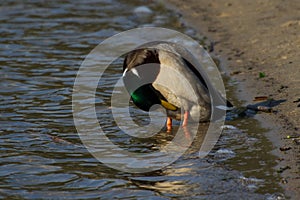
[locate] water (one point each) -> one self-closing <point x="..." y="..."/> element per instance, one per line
<point x="42" y="45"/>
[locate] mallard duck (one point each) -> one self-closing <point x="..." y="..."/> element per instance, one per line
<point x="158" y="73"/>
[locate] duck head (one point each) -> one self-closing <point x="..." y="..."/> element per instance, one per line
<point x="140" y="69"/>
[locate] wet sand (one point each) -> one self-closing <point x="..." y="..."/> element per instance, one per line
<point x="258" y="43"/>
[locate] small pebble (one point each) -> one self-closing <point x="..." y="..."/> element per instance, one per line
<point x="228" y="127"/>
<point x="285" y="148"/>
<point x="260" y="98"/>
<point x="284" y="181"/>
<point x="235" y="72"/>
<point x="296" y="141"/>
<point x="296" y="101"/>
<point x="282" y="169"/>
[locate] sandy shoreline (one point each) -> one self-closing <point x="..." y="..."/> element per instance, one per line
<point x="258" y="43"/>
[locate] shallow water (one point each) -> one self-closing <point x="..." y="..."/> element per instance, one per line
<point x="42" y="45"/>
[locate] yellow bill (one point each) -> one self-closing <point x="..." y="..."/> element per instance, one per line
<point x="168" y="105"/>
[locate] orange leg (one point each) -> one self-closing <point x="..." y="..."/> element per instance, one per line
<point x="184" y="125"/>
<point x="185" y="119"/>
<point x="169" y="124"/>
